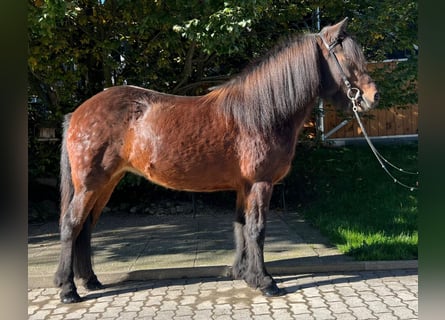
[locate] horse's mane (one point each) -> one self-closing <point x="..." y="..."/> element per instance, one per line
<point x="273" y="88"/>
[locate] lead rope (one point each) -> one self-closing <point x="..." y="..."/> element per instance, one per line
<point x="354" y="97"/>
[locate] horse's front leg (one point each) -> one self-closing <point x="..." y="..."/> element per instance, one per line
<point x="239" y="267"/>
<point x="257" y="206"/>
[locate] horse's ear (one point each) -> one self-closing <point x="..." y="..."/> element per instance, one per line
<point x="337" y="31"/>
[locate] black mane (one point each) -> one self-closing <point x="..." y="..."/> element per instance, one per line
<point x="275" y="87"/>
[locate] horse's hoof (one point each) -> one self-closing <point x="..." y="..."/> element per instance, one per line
<point x="273" y="291"/>
<point x="71" y="297"/>
<point x="93" y="284"/>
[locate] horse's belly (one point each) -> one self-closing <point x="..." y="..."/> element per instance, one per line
<point x="192" y="176"/>
<point x="189" y="170"/>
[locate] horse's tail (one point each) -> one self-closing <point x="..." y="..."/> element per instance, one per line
<point x="66" y="182"/>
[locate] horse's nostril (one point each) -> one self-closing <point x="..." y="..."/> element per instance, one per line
<point x="377" y="97"/>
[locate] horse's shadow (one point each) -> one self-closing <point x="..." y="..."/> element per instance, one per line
<point x="291" y="284"/>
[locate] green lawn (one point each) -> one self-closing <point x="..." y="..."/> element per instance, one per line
<point x="345" y="193"/>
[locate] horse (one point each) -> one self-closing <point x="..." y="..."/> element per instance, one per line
<point x="239" y="136"/>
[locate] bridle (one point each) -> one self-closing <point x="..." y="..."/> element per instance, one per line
<point x="353" y="93"/>
<point x="355" y="96"/>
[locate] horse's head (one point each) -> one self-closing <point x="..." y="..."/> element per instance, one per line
<point x="344" y="70"/>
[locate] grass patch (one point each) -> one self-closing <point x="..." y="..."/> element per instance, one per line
<point x="345" y="193"/>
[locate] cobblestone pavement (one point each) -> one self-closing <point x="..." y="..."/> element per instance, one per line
<point x="352" y="295"/>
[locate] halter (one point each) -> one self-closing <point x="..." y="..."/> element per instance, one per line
<point x="330" y="48"/>
<point x="355" y="95"/>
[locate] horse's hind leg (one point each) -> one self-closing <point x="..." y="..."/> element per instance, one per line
<point x="82" y="253"/>
<point x="71" y="224"/>
<point x="82" y="257"/>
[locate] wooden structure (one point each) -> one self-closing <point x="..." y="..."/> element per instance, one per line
<point x="378" y="122"/>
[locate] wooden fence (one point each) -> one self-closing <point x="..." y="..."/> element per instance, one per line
<point x="387" y="122"/>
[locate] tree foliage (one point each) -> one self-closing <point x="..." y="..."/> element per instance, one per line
<point x="79" y="47"/>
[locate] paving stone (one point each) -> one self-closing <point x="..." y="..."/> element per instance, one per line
<point x="316" y="302"/>
<point x="188" y="300"/>
<point x="344" y="316"/>
<point x="126" y="315"/>
<point x="278" y="304"/>
<point x="368" y="296"/>
<point x="338" y="307"/>
<point x="362" y="313"/>
<point x="299" y="308"/>
<point x="91" y="316"/>
<point x="393" y="301"/>
<point x="221" y="317"/>
<point x="386" y="316"/>
<point x="295" y="297"/>
<point x="40" y="315"/>
<point x="354" y="302"/>
<point x="99" y="307"/>
<point x="382" y="291"/>
<point x="346" y="291"/>
<point x="377" y="307"/>
<point x="134" y="306"/>
<point x="202" y="314"/>
<point x="282" y="314"/>
<point x="406" y="295"/>
<point x="311" y="292"/>
<point x="331" y="296"/>
<point x="262" y="317"/>
<point x="164" y="315"/>
<point x="322" y="313"/>
<point x="184" y="311"/>
<point x="242" y="314"/>
<point x="147" y="312"/>
<point x="260" y="308"/>
<point x="112" y="312"/>
<point x="403" y="313"/>
<point x="168" y="305"/>
<point x="413" y="305"/>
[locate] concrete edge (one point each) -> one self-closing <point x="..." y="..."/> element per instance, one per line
<point x="225" y="271"/>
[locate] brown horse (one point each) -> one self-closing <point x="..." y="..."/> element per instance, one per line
<point x="240" y="136"/>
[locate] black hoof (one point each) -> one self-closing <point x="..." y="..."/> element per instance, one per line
<point x="93" y="284"/>
<point x="71" y="297"/>
<point x="273" y="291"/>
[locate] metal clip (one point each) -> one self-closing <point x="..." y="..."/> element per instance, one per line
<point x="351" y="94"/>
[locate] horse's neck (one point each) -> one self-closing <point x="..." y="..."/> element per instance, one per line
<point x="298" y="119"/>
